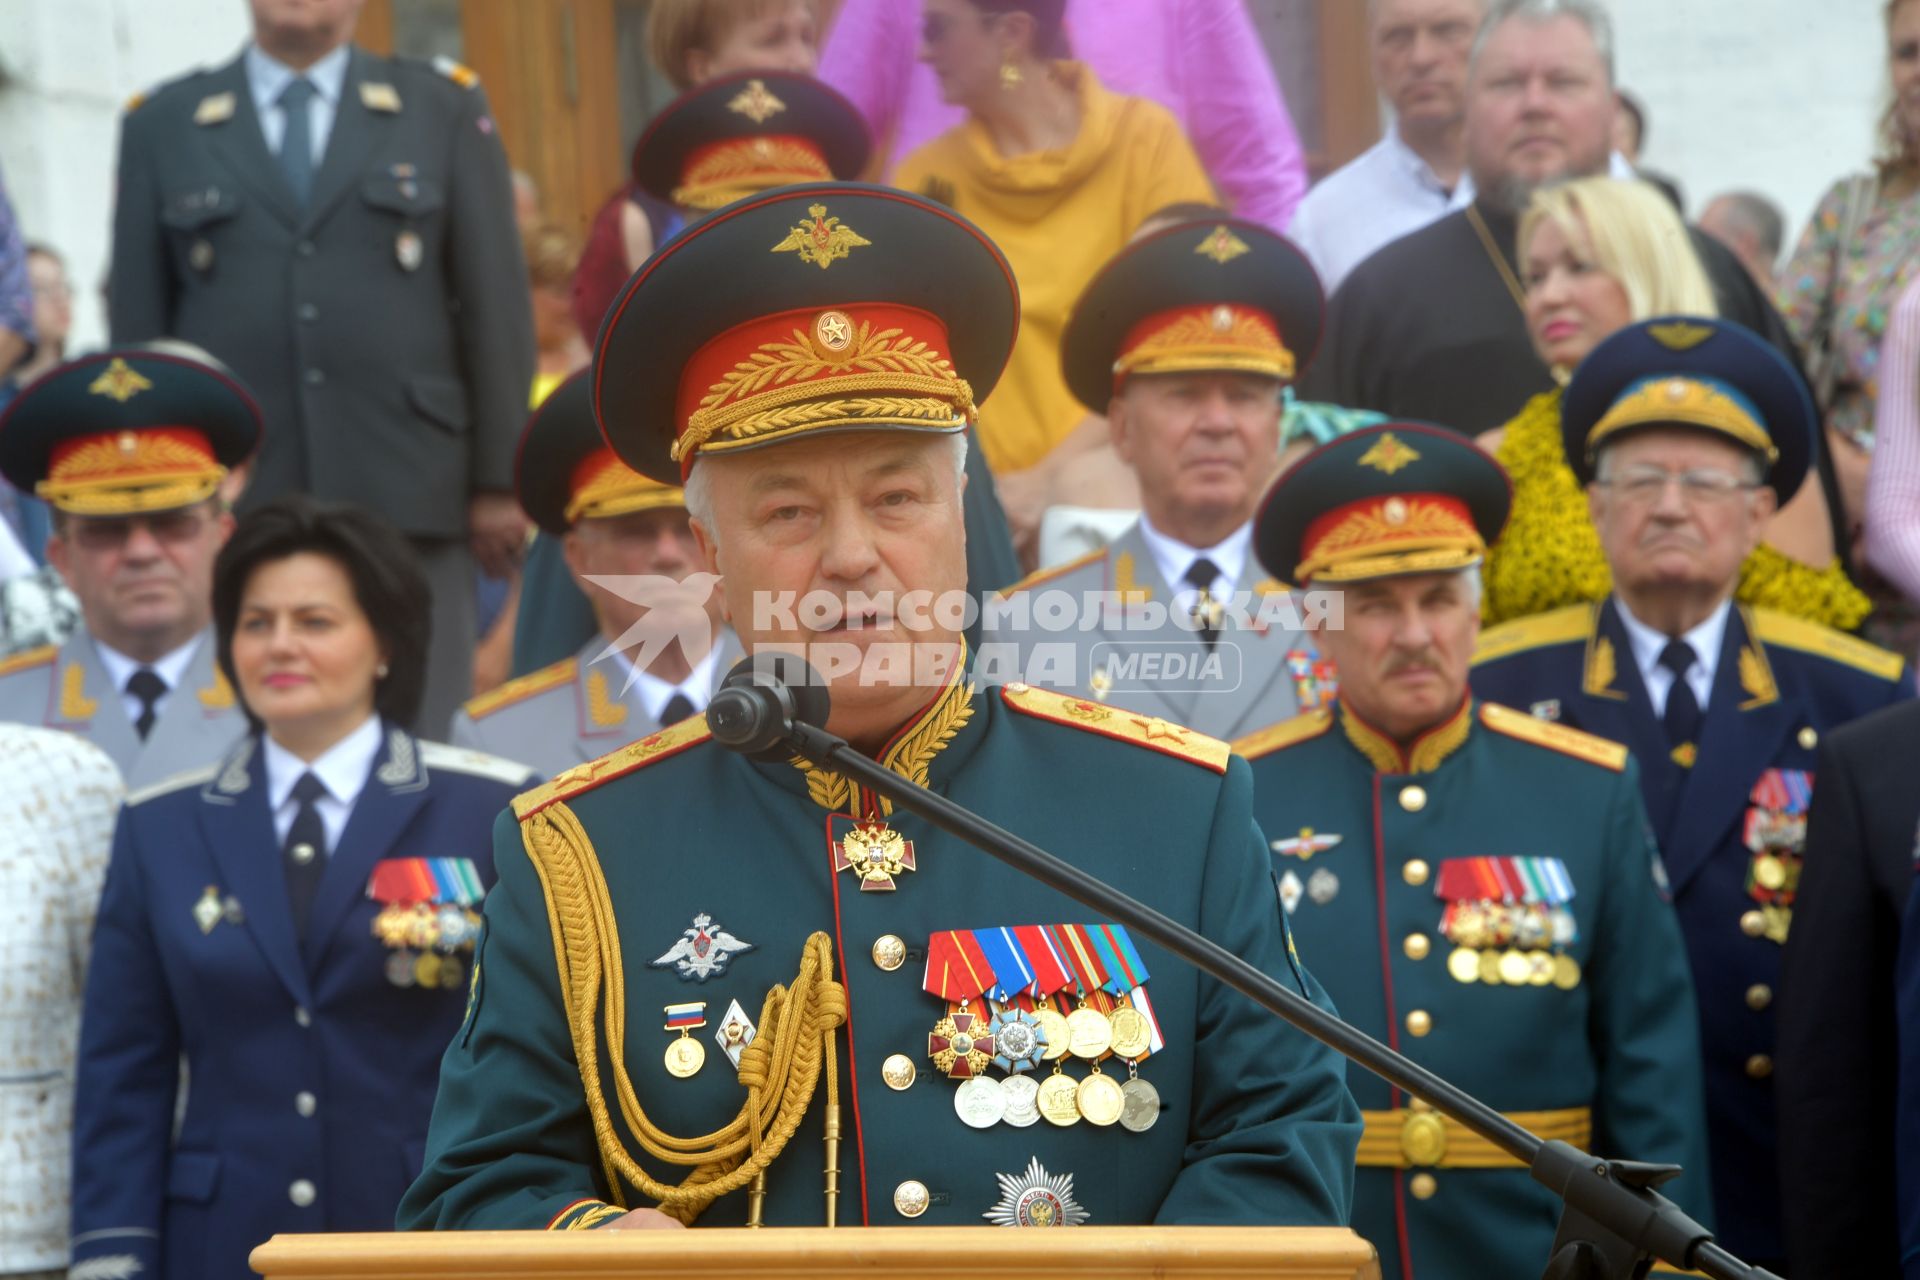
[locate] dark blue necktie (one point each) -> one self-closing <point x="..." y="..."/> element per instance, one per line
<point x="1683" y="709"/>
<point x="306" y="851"/>
<point x="146" y="685"/>
<point x="1201" y="575"/>
<point x="679" y="707"/>
<point x="296" y="141"/>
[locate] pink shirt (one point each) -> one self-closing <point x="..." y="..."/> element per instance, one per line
<point x="1201" y="59"/>
<point x="1893" y="482"/>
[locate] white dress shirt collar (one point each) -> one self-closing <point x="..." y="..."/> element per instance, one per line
<point x="170" y="667"/>
<point x="1648" y="644"/>
<point x="1173" y="558"/>
<point x="1422" y="175"/>
<point x="343" y="769"/>
<point x="268" y="77"/>
<point x="652" y="693"/>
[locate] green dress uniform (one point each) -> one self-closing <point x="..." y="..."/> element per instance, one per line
<point x="703" y="975"/>
<point x="1486" y="900"/>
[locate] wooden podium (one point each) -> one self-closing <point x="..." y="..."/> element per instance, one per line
<point x="816" y="1253"/>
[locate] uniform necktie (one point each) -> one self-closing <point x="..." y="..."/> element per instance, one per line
<point x="1683" y="709"/>
<point x="305" y="852"/>
<point x="146" y="685"/>
<point x="678" y="708"/>
<point x="1201" y="576"/>
<point x="296" y="140"/>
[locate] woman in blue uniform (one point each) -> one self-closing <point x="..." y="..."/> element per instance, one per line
<point x="288" y="933"/>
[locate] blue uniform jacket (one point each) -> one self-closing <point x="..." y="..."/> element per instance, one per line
<point x="309" y="1075"/>
<point x="1780" y="683"/>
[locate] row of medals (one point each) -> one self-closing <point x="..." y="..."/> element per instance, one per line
<point x="424" y="937"/>
<point x="1046" y="1035"/>
<point x="1479" y="956"/>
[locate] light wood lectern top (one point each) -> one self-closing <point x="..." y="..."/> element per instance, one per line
<point x="815" y="1253"/>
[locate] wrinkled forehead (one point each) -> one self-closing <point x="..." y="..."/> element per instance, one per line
<point x="826" y="462"/>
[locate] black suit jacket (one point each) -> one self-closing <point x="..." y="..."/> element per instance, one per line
<point x="386" y="328"/>
<point x="1837" y="1042"/>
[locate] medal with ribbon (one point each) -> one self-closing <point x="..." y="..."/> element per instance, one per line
<point x="1776" y="833"/>
<point x="1508" y="921"/>
<point x="426" y="917"/>
<point x="1018" y="1040"/>
<point x="1089" y="1034"/>
<point x="1049" y="969"/>
<point x="960" y="1044"/>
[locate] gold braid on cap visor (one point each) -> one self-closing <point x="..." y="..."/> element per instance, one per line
<point x="1687" y="402"/>
<point x="128" y="473"/>
<point x="1209" y="339"/>
<point x="1391" y="536"/>
<point x="725" y="173"/>
<point x="615" y="489"/>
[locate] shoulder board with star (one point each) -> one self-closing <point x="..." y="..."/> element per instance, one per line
<point x="1048" y="574"/>
<point x="28" y="659"/>
<point x="1278" y="737"/>
<point x="464" y="76"/>
<point x="1558" y="626"/>
<point x="444" y="755"/>
<point x="1787" y="632"/>
<point x="520" y="688"/>
<point x="1095" y="717"/>
<point x="583" y="778"/>
<point x="1565" y="739"/>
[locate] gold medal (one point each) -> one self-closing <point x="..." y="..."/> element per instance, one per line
<point x="1514" y="969"/>
<point x="1054" y="1027"/>
<point x="1490" y="967"/>
<point x="1770" y="873"/>
<point x="1464" y="964"/>
<point x="1089" y="1034"/>
<point x="1100" y="1099"/>
<point x="1566" y="972"/>
<point x="1131" y="1033"/>
<point x="1539" y="969"/>
<point x="1059" y="1101"/>
<point x="426" y="970"/>
<point x="452" y="973"/>
<point x="685" y="1056"/>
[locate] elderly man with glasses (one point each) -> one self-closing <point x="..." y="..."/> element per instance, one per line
<point x="1689" y="434"/>
<point x="132" y="448"/>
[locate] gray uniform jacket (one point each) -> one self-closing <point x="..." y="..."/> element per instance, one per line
<point x="1140" y="657"/>
<point x="69" y="689"/>
<point x="386" y="328"/>
<point x="568" y="713"/>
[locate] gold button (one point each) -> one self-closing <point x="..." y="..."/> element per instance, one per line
<point x="1759" y="996"/>
<point x="1417" y="946"/>
<point x="1413" y="799"/>
<point x="1759" y="1067"/>
<point x="910" y="1199"/>
<point x="302" y="853"/>
<point x="889" y="952"/>
<point x="1423" y="1185"/>
<point x="1753" y="924"/>
<point x="1415" y="872"/>
<point x="1419" y="1022"/>
<point x="898" y="1071"/>
<point x="1809" y="739"/>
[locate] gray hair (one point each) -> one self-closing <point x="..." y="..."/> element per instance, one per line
<point x="1760" y="218"/>
<point x="1589" y="13"/>
<point x="699" y="486"/>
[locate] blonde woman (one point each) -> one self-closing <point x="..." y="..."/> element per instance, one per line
<point x="1597" y="255"/>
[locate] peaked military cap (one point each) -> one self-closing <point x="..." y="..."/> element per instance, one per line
<point x="1392" y="499"/>
<point x="147" y="427"/>
<point x="1686" y="371"/>
<point x="809" y="309"/>
<point x="1220" y="295"/>
<point x="565" y="470"/>
<point x="741" y="134"/>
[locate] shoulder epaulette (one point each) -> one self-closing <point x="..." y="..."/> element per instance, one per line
<point x="27" y="659"/>
<point x="464" y="76"/>
<point x="1053" y="571"/>
<point x="1565" y="739"/>
<point x="635" y="755"/>
<point x="1277" y="737"/>
<point x="178" y="782"/>
<point x="134" y="103"/>
<point x="1790" y="632"/>
<point x="1111" y="722"/>
<point x="444" y="755"/>
<point x="520" y="688"/>
<point x="1557" y="626"/>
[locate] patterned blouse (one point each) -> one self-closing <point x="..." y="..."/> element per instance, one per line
<point x="1550" y="554"/>
<point x="1861" y="281"/>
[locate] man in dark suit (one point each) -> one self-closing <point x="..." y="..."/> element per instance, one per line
<point x="1688" y="434"/>
<point x="1837" y="1044"/>
<point x="338" y="228"/>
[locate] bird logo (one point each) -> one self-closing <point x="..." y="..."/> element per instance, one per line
<point x="702" y="952"/>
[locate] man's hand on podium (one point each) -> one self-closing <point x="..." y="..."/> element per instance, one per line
<point x="645" y="1220"/>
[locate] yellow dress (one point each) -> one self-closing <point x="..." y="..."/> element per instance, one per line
<point x="1550" y="554"/>
<point x="1058" y="216"/>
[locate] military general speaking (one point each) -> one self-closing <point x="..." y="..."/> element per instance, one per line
<point x="1414" y="506"/>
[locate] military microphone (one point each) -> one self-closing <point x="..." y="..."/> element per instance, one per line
<point x="774" y="705"/>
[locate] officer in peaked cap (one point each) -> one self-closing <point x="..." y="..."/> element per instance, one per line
<point x="1689" y="433"/>
<point x="804" y="363"/>
<point x="628" y="543"/>
<point x="1185" y="342"/>
<point x="1481" y="884"/>
<point x="132" y="447"/>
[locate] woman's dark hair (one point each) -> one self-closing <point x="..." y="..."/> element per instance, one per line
<point x="388" y="585"/>
<point x="1049" y="22"/>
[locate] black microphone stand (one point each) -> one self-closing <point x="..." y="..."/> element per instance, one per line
<point x="1614" y="1223"/>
